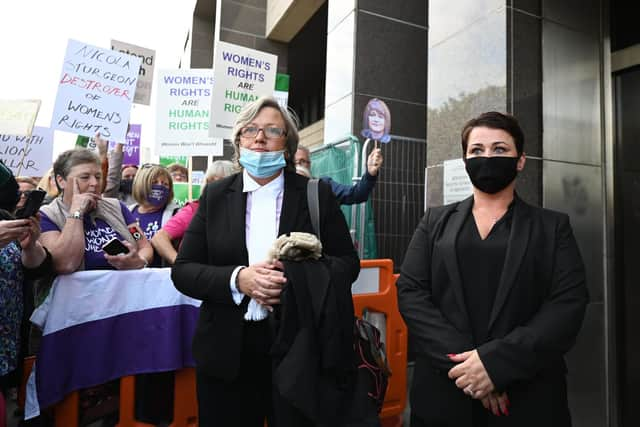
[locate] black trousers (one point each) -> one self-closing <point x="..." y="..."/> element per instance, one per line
<point x="245" y="401"/>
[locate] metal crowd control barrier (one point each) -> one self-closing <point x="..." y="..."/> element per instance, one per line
<point x="374" y="290"/>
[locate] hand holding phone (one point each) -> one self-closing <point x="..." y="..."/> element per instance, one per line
<point x="115" y="247"/>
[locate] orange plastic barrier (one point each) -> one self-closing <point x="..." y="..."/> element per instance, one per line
<point x="386" y="301"/>
<point x="185" y="405"/>
<point x="185" y="402"/>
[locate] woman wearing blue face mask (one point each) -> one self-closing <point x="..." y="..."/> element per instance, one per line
<point x="223" y="261"/>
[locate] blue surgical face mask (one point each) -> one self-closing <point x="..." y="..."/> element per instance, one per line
<point x="262" y="164"/>
<point x="158" y="195"/>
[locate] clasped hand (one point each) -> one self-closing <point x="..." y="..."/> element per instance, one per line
<point x="263" y="282"/>
<point x="472" y="378"/>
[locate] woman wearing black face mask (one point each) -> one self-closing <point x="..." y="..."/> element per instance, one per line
<point x="493" y="293"/>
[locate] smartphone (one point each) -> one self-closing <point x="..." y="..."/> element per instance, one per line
<point x="31" y="205"/>
<point x="135" y="232"/>
<point x="115" y="247"/>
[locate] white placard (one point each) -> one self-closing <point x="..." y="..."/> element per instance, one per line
<point x="145" y="74"/>
<point x="28" y="156"/>
<point x="18" y="116"/>
<point x="96" y="89"/>
<point x="241" y="75"/>
<point x="456" y="185"/>
<point x="182" y="122"/>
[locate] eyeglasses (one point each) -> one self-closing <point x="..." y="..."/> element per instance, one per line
<point x="269" y="132"/>
<point x="24" y="193"/>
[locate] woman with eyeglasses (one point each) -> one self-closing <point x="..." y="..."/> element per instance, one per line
<point x="78" y="224"/>
<point x="223" y="262"/>
<point x="26" y="185"/>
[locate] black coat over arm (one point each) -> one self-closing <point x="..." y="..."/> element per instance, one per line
<point x="214" y="245"/>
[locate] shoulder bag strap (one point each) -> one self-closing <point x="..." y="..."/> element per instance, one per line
<point x="314" y="205"/>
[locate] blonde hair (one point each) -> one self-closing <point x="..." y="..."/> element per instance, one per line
<point x="144" y="179"/>
<point x="46" y="184"/>
<point x="27" y="180"/>
<point x="250" y="111"/>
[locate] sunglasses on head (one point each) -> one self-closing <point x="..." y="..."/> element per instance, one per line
<point x="150" y="165"/>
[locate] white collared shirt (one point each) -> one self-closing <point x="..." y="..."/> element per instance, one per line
<point x="275" y="189"/>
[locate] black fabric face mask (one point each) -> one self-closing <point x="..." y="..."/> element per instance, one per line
<point x="126" y="185"/>
<point x="491" y="174"/>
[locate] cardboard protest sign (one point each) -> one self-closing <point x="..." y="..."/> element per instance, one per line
<point x="131" y="149"/>
<point x="241" y="75"/>
<point x="145" y="74"/>
<point x="30" y="156"/>
<point x="96" y="90"/>
<point x="18" y="116"/>
<point x="182" y="121"/>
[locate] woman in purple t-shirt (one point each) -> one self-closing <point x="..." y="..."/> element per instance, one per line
<point x="77" y="225"/>
<point x="153" y="192"/>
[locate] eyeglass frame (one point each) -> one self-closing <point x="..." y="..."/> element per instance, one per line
<point x="264" y="132"/>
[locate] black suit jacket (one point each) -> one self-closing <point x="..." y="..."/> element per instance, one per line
<point x="537" y="313"/>
<point x="214" y="245"/>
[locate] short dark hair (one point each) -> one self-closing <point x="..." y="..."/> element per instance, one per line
<point x="494" y="120"/>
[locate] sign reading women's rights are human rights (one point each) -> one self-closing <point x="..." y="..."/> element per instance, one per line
<point x="95" y="92"/>
<point x="182" y="108"/>
<point x="241" y="75"/>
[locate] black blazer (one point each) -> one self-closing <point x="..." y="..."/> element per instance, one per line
<point x="214" y="245"/>
<point x="537" y="313"/>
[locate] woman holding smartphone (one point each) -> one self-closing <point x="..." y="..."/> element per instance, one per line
<point x="77" y="225"/>
<point x="22" y="258"/>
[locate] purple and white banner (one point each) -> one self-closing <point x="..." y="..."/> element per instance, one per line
<point x="102" y="325"/>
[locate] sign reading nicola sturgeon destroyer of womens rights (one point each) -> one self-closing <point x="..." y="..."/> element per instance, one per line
<point x="182" y="113"/>
<point x="96" y="89"/>
<point x="241" y="75"/>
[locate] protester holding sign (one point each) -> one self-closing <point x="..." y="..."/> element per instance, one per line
<point x="346" y="194"/>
